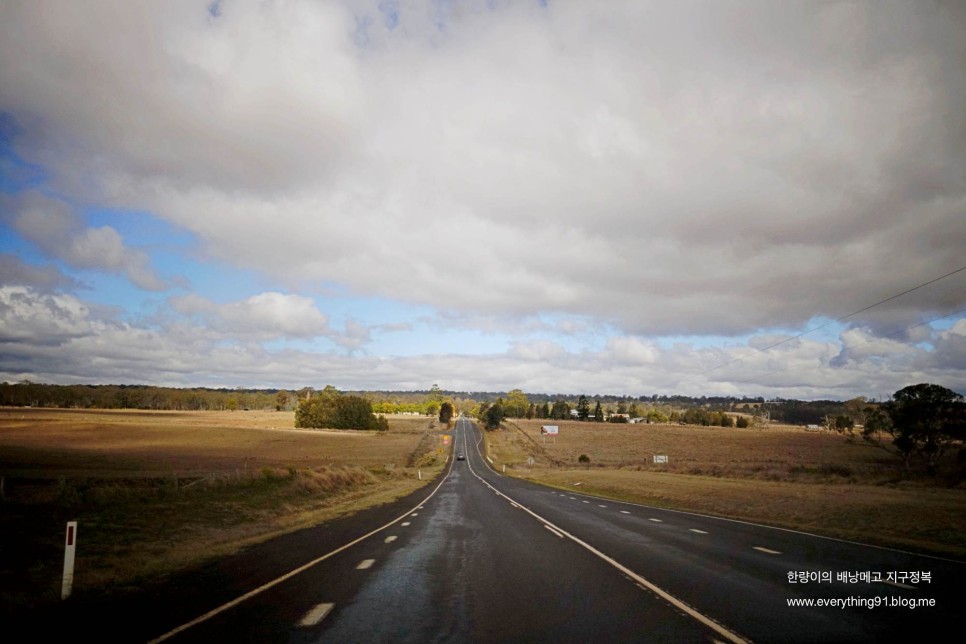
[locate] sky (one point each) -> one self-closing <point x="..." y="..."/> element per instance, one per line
<point x="631" y="198"/>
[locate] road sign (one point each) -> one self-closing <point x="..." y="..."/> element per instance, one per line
<point x="660" y="458"/>
<point x="70" y="546"/>
<point x="550" y="430"/>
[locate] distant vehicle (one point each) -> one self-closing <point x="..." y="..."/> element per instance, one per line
<point x="460" y="456"/>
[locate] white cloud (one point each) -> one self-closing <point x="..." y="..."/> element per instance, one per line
<point x="655" y="168"/>
<point x="57" y="230"/>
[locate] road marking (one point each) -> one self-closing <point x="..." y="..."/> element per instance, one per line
<point x="257" y="591"/>
<point x="573" y="498"/>
<point x="405" y="523"/>
<point x="663" y="594"/>
<point x="553" y="531"/>
<point x="414" y="514"/>
<point x="316" y="615"/>
<point x="624" y="512"/>
<point x="514" y="504"/>
<point x="767" y="551"/>
<point x="695" y="530"/>
<point x="390" y="538"/>
<point x="365" y="564"/>
<point x="655" y="520"/>
<point x="601" y="506"/>
<point x="586" y="501"/>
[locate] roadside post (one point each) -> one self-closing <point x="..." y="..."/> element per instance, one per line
<point x="70" y="546"/>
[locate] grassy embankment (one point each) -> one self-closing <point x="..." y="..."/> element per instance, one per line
<point x="779" y="476"/>
<point x="154" y="492"/>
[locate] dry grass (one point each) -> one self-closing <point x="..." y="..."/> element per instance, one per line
<point x="156" y="491"/>
<point x="778" y="476"/>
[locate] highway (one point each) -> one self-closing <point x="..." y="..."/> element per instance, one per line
<point x="481" y="557"/>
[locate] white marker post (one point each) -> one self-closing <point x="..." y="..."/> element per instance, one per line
<point x="70" y="546"/>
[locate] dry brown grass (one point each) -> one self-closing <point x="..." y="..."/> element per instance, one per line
<point x="156" y="491"/>
<point x="779" y="476"/>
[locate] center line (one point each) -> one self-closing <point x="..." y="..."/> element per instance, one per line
<point x="316" y="615"/>
<point x="767" y="551"/>
<point x="365" y="563"/>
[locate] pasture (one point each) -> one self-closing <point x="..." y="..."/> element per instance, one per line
<point x="157" y="491"/>
<point x="781" y="476"/>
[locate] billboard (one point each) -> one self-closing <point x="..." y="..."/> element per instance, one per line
<point x="548" y="429"/>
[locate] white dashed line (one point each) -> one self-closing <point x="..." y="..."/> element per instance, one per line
<point x="316" y="615"/>
<point x="696" y="531"/>
<point x="390" y="539"/>
<point x="767" y="551"/>
<point x="365" y="563"/>
<point x="405" y="523"/>
<point x="624" y="512"/>
<point x="656" y="520"/>
<point x="552" y="530"/>
<point x="586" y="501"/>
<point x="414" y="514"/>
<point x="601" y="506"/>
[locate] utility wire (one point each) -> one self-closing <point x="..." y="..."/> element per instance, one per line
<point x="844" y="317"/>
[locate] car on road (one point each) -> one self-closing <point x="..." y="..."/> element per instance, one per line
<point x="460" y="456"/>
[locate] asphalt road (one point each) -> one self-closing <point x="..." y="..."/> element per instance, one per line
<point x="480" y="557"/>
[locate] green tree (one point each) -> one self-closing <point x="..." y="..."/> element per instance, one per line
<point x="598" y="413"/>
<point x="560" y="410"/>
<point x="445" y="413"/>
<point x="583" y="408"/>
<point x="494" y="415"/>
<point x="923" y="420"/>
<point x="516" y="404"/>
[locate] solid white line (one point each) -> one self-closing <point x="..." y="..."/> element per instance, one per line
<point x="390" y="538"/>
<point x="553" y="531"/>
<point x="316" y="615"/>
<point x="767" y="551"/>
<point x="671" y="599"/>
<point x="291" y="573"/>
<point x="514" y="504"/>
<point x="695" y="530"/>
<point x="365" y="564"/>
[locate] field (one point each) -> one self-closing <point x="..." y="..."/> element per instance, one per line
<point x="156" y="491"/>
<point x="782" y="476"/>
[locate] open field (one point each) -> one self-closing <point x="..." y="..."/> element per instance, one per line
<point x="778" y="476"/>
<point x="156" y="491"/>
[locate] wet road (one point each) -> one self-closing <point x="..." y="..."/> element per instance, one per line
<point x="486" y="558"/>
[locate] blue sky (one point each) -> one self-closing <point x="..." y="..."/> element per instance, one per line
<point x="637" y="198"/>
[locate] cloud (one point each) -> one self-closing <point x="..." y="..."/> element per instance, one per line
<point x="15" y="272"/>
<point x="639" y="170"/>
<point x="58" y="231"/>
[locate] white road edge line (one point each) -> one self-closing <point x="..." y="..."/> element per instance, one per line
<point x="668" y="597"/>
<point x="316" y="615"/>
<point x="292" y="573"/>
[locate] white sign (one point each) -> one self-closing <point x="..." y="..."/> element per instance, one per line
<point x="660" y="458"/>
<point x="70" y="547"/>
<point x="549" y="429"/>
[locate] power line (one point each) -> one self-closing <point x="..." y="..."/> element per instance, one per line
<point x="840" y="319"/>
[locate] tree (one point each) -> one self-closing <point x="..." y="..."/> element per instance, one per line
<point x="741" y="422"/>
<point x="598" y="413"/>
<point x="923" y="421"/>
<point x="516" y="404"/>
<point x="494" y="415"/>
<point x="330" y="409"/>
<point x="560" y="410"/>
<point x="445" y="413"/>
<point x="583" y="408"/>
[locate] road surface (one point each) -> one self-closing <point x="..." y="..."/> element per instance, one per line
<point x="480" y="557"/>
